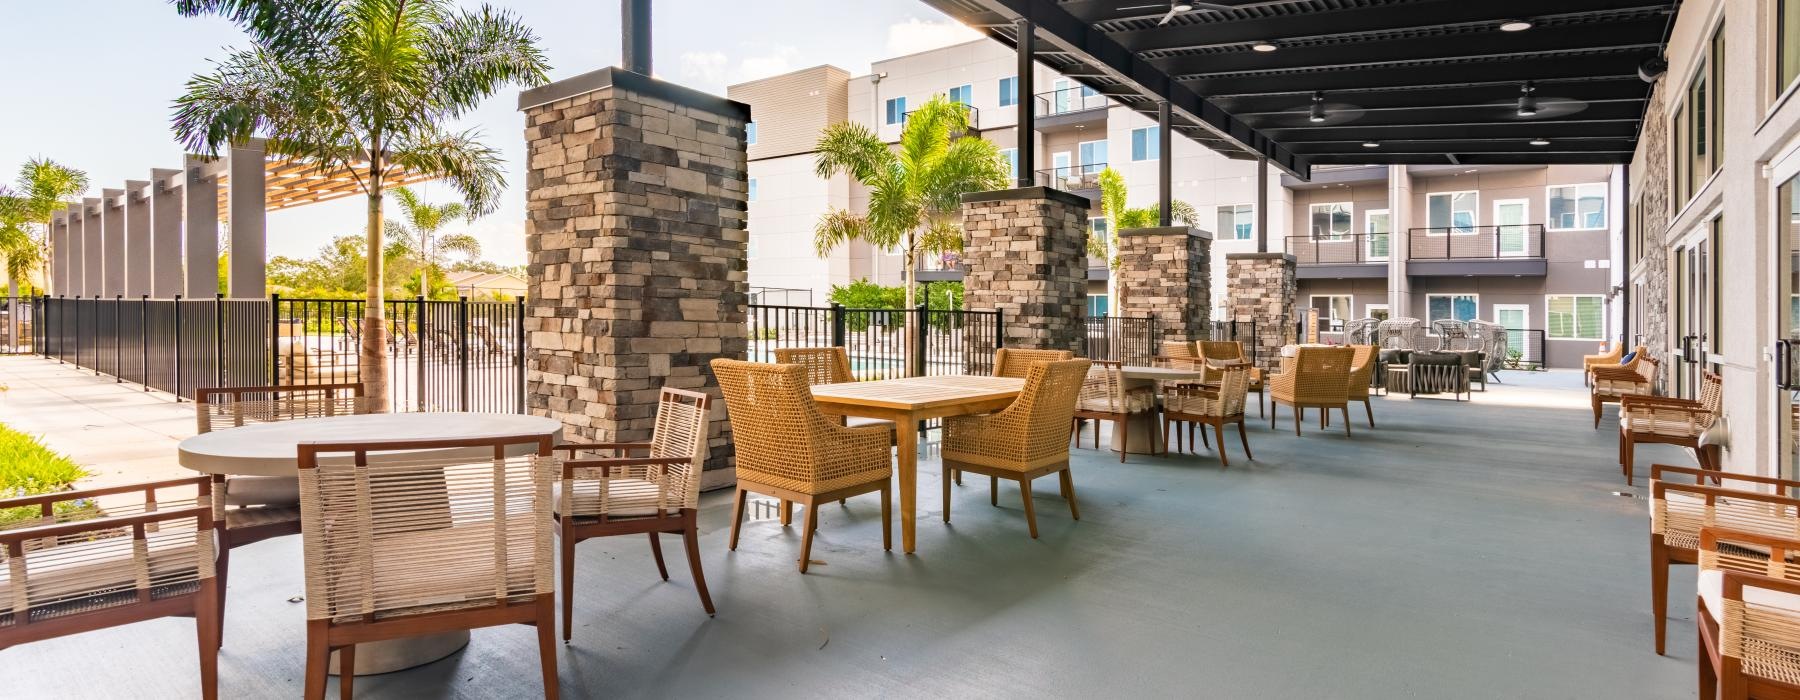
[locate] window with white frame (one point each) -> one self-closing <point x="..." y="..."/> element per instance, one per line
<point x="1331" y="221"/>
<point x="1376" y="311"/>
<point x="896" y="109"/>
<point x="1574" y="317"/>
<point x="1577" y="207"/>
<point x="1458" y="307"/>
<point x="750" y="194"/>
<point x="1237" y="222"/>
<point x="964" y="94"/>
<point x="1009" y="91"/>
<point x="1334" y="310"/>
<point x="1012" y="162"/>
<point x="1450" y="212"/>
<point x="1097" y="226"/>
<point x="1097" y="305"/>
<point x="1092" y="155"/>
<point x="1376" y="224"/>
<point x="1145" y="143"/>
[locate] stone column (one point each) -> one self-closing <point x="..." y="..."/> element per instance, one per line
<point x="137" y="238"/>
<point x="1263" y="291"/>
<point x="75" y="263"/>
<point x="248" y="206"/>
<point x="201" y="229"/>
<point x="165" y="233"/>
<point x="1166" y="272"/>
<point x="635" y="207"/>
<point x="112" y="241"/>
<point x="1026" y="252"/>
<point x="93" y="247"/>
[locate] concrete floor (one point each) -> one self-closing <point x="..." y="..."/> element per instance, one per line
<point x="1466" y="550"/>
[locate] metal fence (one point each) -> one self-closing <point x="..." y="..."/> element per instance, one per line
<point x="1524" y="349"/>
<point x="19" y="317"/>
<point x="1124" y="339"/>
<point x="442" y="355"/>
<point x="878" y="341"/>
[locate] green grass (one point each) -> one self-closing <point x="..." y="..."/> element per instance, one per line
<point x="29" y="468"/>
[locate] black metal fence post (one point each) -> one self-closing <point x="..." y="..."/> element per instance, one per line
<point x="462" y="352"/>
<point x="921" y="326"/>
<point x="219" y="340"/>
<point x="118" y="341"/>
<point x="144" y="335"/>
<point x="177" y="359"/>
<point x="519" y="347"/>
<point x="837" y="324"/>
<point x="420" y="336"/>
<point x="275" y="339"/>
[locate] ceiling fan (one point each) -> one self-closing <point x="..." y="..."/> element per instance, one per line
<point x="1177" y="7"/>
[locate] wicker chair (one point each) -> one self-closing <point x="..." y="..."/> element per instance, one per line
<point x="62" y="575"/>
<point x="1670" y="421"/>
<point x="1490" y="339"/>
<point x="428" y="544"/>
<point x="1748" y="614"/>
<point x="1398" y="333"/>
<point x="1362" y="378"/>
<point x="603" y="496"/>
<point x="1362" y="331"/>
<point x="788" y="449"/>
<point x="1016" y="363"/>
<point x="1637" y="378"/>
<point x="250" y="509"/>
<point x="1313" y="378"/>
<point x="1196" y="405"/>
<point x="1611" y="356"/>
<point x="1220" y="355"/>
<point x="827" y="365"/>
<point x="1027" y="440"/>
<point x="1104" y="397"/>
<point x="1685" y="500"/>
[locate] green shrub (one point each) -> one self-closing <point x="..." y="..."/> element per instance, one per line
<point x="28" y="468"/>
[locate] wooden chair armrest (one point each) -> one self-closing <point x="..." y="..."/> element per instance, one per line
<point x="202" y="516"/>
<point x="569" y="466"/>
<point x="1661" y="402"/>
<point x="1734" y="583"/>
<point x="1659" y="491"/>
<point x="203" y="482"/>
<point x="578" y="446"/>
<point x="1658" y="470"/>
<point x="1711" y="534"/>
<point x="1617" y="373"/>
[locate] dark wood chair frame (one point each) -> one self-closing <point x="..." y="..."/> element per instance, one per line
<point x="326" y="636"/>
<point x="1706" y="455"/>
<point x="1722" y="676"/>
<point x="1663" y="555"/>
<point x="1218" y="423"/>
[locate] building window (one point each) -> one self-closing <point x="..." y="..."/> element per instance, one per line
<point x="1459" y="307"/>
<point x="1097" y="305"/>
<point x="1573" y="317"/>
<point x="1716" y="63"/>
<point x="963" y="94"/>
<point x="1331" y="221"/>
<point x="1577" y="207"/>
<point x="1012" y="162"/>
<point x="1092" y="155"/>
<point x="1145" y="143"/>
<point x="1450" y="212"/>
<point x="750" y="133"/>
<point x="1334" y="310"/>
<point x="1009" y="91"/>
<point x="750" y="194"/>
<point x="1376" y="224"/>
<point x="896" y="110"/>
<point x="1378" y="312"/>
<point x="1097" y="226"/>
<point x="1787" y="44"/>
<point x="1237" y="222"/>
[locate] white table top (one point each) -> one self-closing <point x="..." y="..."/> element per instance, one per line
<point x="1159" y="373"/>
<point x="271" y="449"/>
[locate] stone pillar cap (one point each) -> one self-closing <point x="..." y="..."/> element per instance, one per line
<point x="604" y="78"/>
<point x="1040" y="192"/>
<point x="1260" y="256"/>
<point x="1166" y="231"/>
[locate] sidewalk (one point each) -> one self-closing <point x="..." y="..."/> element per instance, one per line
<point x="120" y="433"/>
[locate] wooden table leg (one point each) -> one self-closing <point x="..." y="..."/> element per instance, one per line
<point x="909" y="476"/>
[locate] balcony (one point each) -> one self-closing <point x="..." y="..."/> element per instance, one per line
<point x="974" y="120"/>
<point x="1514" y="250"/>
<point x="1069" y="108"/>
<point x="1346" y="256"/>
<point x="1083" y="179"/>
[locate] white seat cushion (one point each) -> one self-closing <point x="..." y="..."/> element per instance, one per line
<point x="1712" y="590"/>
<point x="627" y="498"/>
<point x="262" y="491"/>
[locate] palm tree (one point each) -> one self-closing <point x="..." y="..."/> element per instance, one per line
<point x="367" y="86"/>
<point x="419" y="234"/>
<point x="915" y="191"/>
<point x="43" y="186"/>
<point x="1119" y="216"/>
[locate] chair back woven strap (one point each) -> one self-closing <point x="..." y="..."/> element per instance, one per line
<point x="636" y="489"/>
<point x="1362" y="370"/>
<point x="1759" y="632"/>
<point x="1016" y="362"/>
<point x="783" y="440"/>
<point x="1177" y="349"/>
<point x="231" y="407"/>
<point x="1104" y="387"/>
<point x="1398" y="333"/>
<point x="1322" y="374"/>
<point x="416" y="535"/>
<point x="1033" y="430"/>
<point x="1361" y="331"/>
<point x="826" y="365"/>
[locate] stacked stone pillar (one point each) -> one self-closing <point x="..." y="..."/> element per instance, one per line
<point x="1262" y="290"/>
<point x="635" y="228"/>
<point x="1166" y="273"/>
<point x="1026" y="252"/>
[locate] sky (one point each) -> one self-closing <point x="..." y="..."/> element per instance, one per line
<point x="91" y="84"/>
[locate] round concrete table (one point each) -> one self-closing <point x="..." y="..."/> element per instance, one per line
<point x="271" y="449"/>
<point x="1146" y="428"/>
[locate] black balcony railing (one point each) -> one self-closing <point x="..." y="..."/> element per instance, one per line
<point x="878" y="341"/>
<point x="1476" y="242"/>
<point x="1069" y="100"/>
<point x="974" y="116"/>
<point x="1072" y="177"/>
<point x="1346" y="249"/>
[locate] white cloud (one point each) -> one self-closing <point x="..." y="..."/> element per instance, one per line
<point x="915" y="35"/>
<point x="704" y="66"/>
<point x="713" y="70"/>
<point x="778" y="60"/>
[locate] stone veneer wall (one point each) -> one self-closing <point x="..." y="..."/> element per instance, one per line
<point x="1166" y="272"/>
<point x="1652" y="268"/>
<point x="1026" y="252"/>
<point x="1261" y="287"/>
<point x="635" y="212"/>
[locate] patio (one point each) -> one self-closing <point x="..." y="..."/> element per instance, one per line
<point x="1456" y="550"/>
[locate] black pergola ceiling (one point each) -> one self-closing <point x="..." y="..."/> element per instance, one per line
<point x="1425" y="81"/>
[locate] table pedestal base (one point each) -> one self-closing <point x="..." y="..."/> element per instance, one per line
<point x="1146" y="434"/>
<point x="400" y="654"/>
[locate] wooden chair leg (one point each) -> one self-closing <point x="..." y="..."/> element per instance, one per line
<point x="1299" y="417"/>
<point x="994" y="491"/>
<point x="737" y="518"/>
<point x="1030" y="513"/>
<point x="346" y="671"/>
<point x="656" y="549"/>
<point x="568" y="580"/>
<point x="221" y="571"/>
<point x="1123" y="425"/>
<point x="1272" y="418"/>
<point x="1203" y="440"/>
<point x="1595" y="401"/>
<point x="946" y="481"/>
<point x="1628" y="447"/>
<point x="1659" y="590"/>
<point x="547" y="641"/>
<point x="787" y="512"/>
<point x="1245" y="439"/>
<point x="1369" y="409"/>
<point x="1068" y="487"/>
<point x="1709" y="676"/>
<point x="207" y="627"/>
<point x="887" y="527"/>
<point x="318" y="658"/>
<point x="1346" y="409"/>
<point x="1219" y="432"/>
<point x="958" y="475"/>
<point x="811" y="524"/>
<point x="690" y="536"/>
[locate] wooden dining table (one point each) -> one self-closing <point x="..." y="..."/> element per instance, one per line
<point x="908" y="402"/>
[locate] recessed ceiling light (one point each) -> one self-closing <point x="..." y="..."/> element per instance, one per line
<point x="1515" y="25"/>
<point x="1264" y="46"/>
<point x="1540" y="142"/>
<point x="1371" y="144"/>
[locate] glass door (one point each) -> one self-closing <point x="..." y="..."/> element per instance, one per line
<point x="1516" y="319"/>
<point x="1693" y="314"/>
<point x="1059" y="96"/>
<point x="1510" y="219"/>
<point x="1787" y="292"/>
<point x="1061" y="170"/>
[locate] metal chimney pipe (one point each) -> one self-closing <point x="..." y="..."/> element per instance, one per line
<point x="635" y="35"/>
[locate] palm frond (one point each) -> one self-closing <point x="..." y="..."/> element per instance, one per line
<point x="460" y="243"/>
<point x="469" y="165"/>
<point x="473" y="54"/>
<point x="849" y="147"/>
<point x="943" y="235"/>
<point x="837" y="228"/>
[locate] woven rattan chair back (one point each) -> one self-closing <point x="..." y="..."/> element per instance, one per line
<point x="1397" y="333"/>
<point x="1362" y="370"/>
<point x="1103" y="388"/>
<point x="781" y="437"/>
<point x="1016" y="362"/>
<point x="425" y="534"/>
<point x="1361" y="331"/>
<point x="235" y="406"/>
<point x="1451" y="334"/>
<point x="1030" y="432"/>
<point x="602" y="488"/>
<point x="1178" y="349"/>
<point x="826" y="365"/>
<point x="1322" y="375"/>
<point x="1221" y="349"/>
